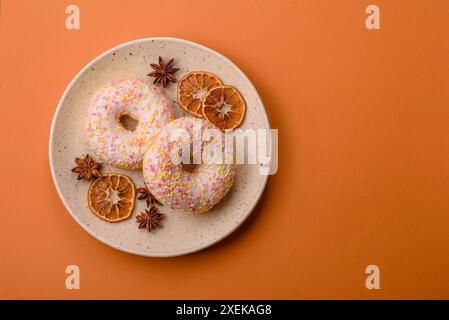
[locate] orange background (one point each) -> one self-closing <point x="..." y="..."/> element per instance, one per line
<point x="363" y="175"/>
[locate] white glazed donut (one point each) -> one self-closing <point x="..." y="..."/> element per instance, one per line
<point x="108" y="138"/>
<point x="196" y="191"/>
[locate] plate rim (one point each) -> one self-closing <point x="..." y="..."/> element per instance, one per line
<point x="51" y="146"/>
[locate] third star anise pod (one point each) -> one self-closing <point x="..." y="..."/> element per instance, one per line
<point x="150" y="219"/>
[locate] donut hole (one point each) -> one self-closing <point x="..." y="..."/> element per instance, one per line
<point x="189" y="167"/>
<point x="127" y="122"/>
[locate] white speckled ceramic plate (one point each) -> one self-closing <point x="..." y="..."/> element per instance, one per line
<point x="182" y="233"/>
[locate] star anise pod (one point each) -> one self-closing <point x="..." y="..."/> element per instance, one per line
<point x="150" y="219"/>
<point x="145" y="194"/>
<point x="163" y="73"/>
<point x="87" y="168"/>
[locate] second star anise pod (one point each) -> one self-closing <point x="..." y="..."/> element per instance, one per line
<point x="87" y="168"/>
<point x="150" y="219"/>
<point x="163" y="73"/>
<point x="145" y="194"/>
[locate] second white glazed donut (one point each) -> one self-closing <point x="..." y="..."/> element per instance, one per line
<point x="196" y="191"/>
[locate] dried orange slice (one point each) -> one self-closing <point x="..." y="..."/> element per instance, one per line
<point x="224" y="107"/>
<point x="111" y="197"/>
<point x="193" y="87"/>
